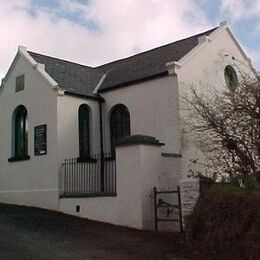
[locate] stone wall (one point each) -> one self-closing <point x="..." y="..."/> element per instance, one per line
<point x="190" y="191"/>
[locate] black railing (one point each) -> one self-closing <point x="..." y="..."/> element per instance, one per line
<point x="95" y="176"/>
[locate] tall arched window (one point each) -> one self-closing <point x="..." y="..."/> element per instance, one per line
<point x="119" y="123"/>
<point x="20" y="135"/>
<point x="84" y="131"/>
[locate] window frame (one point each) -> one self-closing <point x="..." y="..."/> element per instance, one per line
<point x="231" y="78"/>
<point x="19" y="134"/>
<point x="119" y="123"/>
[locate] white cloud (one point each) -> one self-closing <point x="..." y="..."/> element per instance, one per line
<point x="254" y="55"/>
<point x="124" y="26"/>
<point x="246" y="12"/>
<point x="241" y="9"/>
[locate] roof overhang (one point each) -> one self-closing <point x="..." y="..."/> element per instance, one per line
<point x="96" y="97"/>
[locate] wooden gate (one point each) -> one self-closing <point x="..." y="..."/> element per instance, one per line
<point x="167" y="206"/>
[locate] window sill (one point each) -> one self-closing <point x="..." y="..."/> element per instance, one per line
<point x="19" y="158"/>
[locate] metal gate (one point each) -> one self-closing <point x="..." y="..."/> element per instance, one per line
<point x="167" y="206"/>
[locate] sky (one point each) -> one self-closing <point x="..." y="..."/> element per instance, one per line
<point x="94" y="32"/>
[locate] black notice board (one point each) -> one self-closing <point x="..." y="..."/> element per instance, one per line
<point x="40" y="140"/>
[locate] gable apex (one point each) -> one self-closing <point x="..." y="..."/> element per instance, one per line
<point x="205" y="39"/>
<point x="40" y="68"/>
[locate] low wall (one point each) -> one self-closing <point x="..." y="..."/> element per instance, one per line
<point x="131" y="207"/>
<point x="47" y="198"/>
<point x="126" y="208"/>
<point x="99" y="208"/>
<point x="139" y="169"/>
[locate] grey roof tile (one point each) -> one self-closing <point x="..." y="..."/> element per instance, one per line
<point x="82" y="80"/>
<point x="147" y="64"/>
<point x="74" y="78"/>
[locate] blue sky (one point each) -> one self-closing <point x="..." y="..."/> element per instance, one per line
<point x="93" y="32"/>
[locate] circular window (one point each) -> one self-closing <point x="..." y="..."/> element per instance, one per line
<point x="231" y="77"/>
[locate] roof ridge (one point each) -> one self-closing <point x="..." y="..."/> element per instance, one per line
<point x="119" y="60"/>
<point x="59" y="59"/>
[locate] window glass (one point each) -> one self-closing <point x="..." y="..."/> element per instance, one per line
<point x="84" y="133"/>
<point x="119" y="123"/>
<point x="20" y="131"/>
<point x="231" y="77"/>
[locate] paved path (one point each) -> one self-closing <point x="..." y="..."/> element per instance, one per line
<point x="29" y="233"/>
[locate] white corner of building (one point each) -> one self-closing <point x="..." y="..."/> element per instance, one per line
<point x="22" y="48"/>
<point x="173" y="67"/>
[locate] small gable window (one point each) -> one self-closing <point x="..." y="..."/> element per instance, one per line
<point x="231" y="77"/>
<point x="19" y="84"/>
<point x="119" y="124"/>
<point x="84" y="131"/>
<point x="19" y="134"/>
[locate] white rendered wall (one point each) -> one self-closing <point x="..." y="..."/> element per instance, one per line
<point x="68" y="133"/>
<point x="154" y="110"/>
<point x="170" y="170"/>
<point x="204" y="70"/>
<point x="151" y="176"/>
<point x="32" y="182"/>
<point x="102" y="209"/>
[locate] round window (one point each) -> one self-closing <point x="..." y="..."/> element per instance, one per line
<point x="231" y="77"/>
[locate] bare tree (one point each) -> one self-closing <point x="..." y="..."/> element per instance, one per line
<point x="227" y="125"/>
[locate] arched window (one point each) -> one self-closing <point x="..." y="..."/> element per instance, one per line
<point x="84" y="131"/>
<point x="231" y="77"/>
<point x="119" y="123"/>
<point x="20" y="135"/>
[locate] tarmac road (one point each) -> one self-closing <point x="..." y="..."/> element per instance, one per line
<point x="31" y="233"/>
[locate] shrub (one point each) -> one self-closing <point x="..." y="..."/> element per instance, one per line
<point x="225" y="224"/>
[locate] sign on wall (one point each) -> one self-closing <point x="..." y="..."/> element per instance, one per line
<point x="40" y="140"/>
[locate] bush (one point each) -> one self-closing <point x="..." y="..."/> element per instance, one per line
<point x="225" y="224"/>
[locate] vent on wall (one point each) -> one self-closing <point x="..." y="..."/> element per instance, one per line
<point x="19" y="86"/>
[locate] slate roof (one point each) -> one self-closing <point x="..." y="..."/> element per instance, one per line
<point x="82" y="80"/>
<point x="74" y="78"/>
<point x="147" y="64"/>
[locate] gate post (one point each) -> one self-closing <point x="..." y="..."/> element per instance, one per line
<point x="102" y="179"/>
<point x="180" y="208"/>
<point x="190" y="191"/>
<point x="155" y="208"/>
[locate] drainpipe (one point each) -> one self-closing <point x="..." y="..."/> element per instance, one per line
<point x="101" y="100"/>
<point x="101" y="146"/>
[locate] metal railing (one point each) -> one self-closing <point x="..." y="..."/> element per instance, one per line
<point x="95" y="176"/>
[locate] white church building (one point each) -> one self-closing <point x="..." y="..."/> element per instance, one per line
<point x="93" y="142"/>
